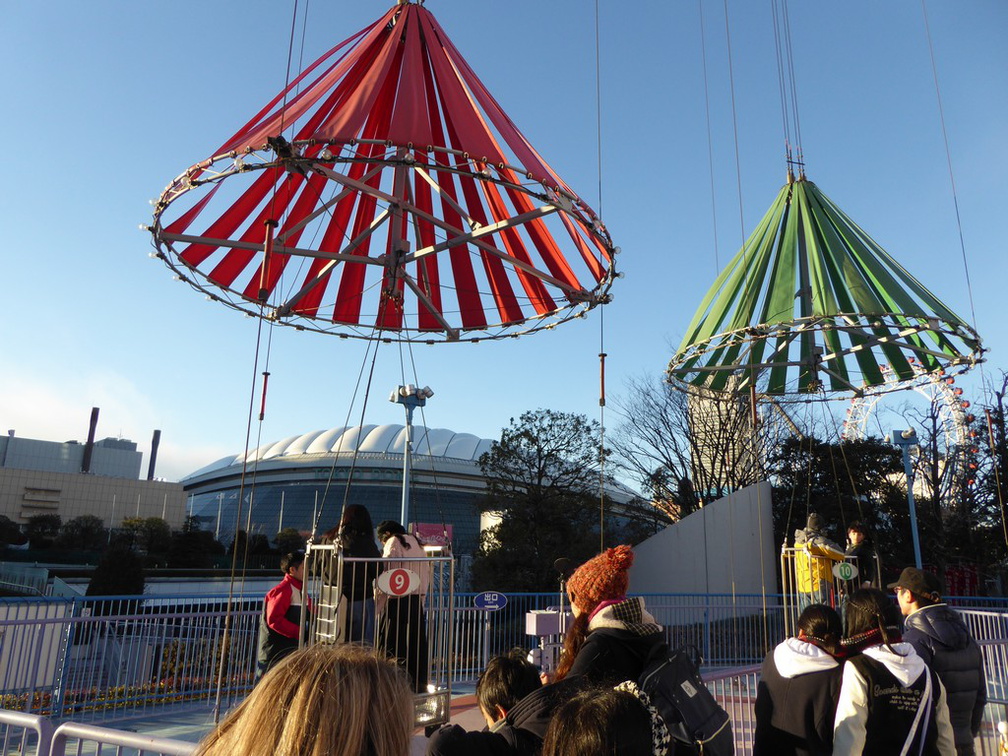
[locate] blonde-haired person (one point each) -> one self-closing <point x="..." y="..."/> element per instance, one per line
<point x="321" y="701"/>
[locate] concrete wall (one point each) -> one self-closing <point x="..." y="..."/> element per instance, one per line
<point x="24" y="493"/>
<point x="726" y="546"/>
<point x="112" y="457"/>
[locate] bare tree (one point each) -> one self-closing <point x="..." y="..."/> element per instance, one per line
<point x="688" y="449"/>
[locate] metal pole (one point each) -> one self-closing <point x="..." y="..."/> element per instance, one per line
<point x="904" y="440"/>
<point x="407" y="451"/>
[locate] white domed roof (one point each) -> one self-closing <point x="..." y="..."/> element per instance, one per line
<point x="366" y="439"/>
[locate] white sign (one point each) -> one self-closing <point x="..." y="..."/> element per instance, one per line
<point x="845" y="570"/>
<point x="398" y="582"/>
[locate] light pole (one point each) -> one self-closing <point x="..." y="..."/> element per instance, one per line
<point x="410" y="397"/>
<point x="906" y="440"/>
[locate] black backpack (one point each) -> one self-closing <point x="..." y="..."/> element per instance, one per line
<point x="695" y="720"/>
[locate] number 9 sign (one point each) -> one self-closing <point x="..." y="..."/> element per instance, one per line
<point x="398" y="582"/>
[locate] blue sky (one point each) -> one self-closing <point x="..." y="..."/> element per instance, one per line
<point x="107" y="102"/>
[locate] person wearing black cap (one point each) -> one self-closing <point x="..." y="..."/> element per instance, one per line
<point x="941" y="638"/>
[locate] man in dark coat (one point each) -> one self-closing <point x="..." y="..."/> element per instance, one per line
<point x="942" y="640"/>
<point x="516" y="707"/>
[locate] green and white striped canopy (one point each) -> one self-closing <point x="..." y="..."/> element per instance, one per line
<point x="813" y="306"/>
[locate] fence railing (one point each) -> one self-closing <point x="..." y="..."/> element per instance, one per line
<point x="100" y="657"/>
<point x="32" y="735"/>
<point x="23" y="578"/>
<point x="24" y="734"/>
<point x="736" y="690"/>
<point x="97" y="658"/>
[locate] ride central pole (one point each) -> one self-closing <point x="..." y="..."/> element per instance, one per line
<point x="407" y="454"/>
<point x="410" y="397"/>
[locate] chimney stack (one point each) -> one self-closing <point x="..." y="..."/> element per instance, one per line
<point x="89" y="447"/>
<point x="155" y="443"/>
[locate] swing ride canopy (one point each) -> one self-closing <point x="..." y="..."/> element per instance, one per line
<point x="812" y="306"/>
<point x="384" y="192"/>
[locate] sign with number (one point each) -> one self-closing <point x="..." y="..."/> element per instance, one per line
<point x="398" y="582"/>
<point x="845" y="570"/>
<point x="490" y="601"/>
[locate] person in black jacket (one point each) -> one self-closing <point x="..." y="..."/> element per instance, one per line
<point x="612" y="636"/>
<point x="860" y="547"/>
<point x="799" y="684"/>
<point x="356" y="538"/>
<point x="940" y="637"/>
<point x="516" y="708"/>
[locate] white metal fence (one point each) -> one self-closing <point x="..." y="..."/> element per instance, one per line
<point x="97" y="658"/>
<point x="403" y="607"/>
<point x="100" y="657"/>
<point x="31" y="735"/>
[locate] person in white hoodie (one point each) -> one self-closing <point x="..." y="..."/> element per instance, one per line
<point x="890" y="702"/>
<point x="797" y="694"/>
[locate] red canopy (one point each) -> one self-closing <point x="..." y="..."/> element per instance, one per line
<point x="385" y="190"/>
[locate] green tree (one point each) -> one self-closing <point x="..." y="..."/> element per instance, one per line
<point x="84" y="532"/>
<point x="119" y="572"/>
<point x="42" y="529"/>
<point x="150" y="534"/>
<point x="990" y="530"/>
<point x="855" y="480"/>
<point x="288" y="540"/>
<point x="542" y="482"/>
<point x="10" y="532"/>
<point x="192" y="547"/>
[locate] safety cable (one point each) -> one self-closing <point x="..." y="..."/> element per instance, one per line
<point x="602" y="306"/>
<point x="710" y="138"/>
<point x="225" y="659"/>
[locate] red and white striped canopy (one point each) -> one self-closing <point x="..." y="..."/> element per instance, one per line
<point x="385" y="193"/>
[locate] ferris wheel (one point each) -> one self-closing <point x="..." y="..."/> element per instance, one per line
<point x="956" y="440"/>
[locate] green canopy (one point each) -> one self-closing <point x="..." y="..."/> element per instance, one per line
<point x="813" y="305"/>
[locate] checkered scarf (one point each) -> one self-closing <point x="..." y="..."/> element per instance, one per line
<point x="629" y="615"/>
<point x="660" y="737"/>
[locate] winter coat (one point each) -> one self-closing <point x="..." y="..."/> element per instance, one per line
<point x="865" y="555"/>
<point x="279" y="623"/>
<point x="359" y="577"/>
<point x="814" y="557"/>
<point x="621" y="637"/>
<point x="796" y="701"/>
<point x="519" y="733"/>
<point x="878" y="701"/>
<point x="940" y="637"/>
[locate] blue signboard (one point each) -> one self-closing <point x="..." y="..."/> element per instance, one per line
<point x="490" y="601"/>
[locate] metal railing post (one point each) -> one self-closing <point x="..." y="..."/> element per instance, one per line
<point x="66" y="657"/>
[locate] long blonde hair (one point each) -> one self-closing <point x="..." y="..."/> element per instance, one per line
<point x="321" y="701"/>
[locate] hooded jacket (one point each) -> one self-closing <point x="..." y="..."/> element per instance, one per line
<point x="940" y="637"/>
<point x="621" y="637"/>
<point x="796" y="701"/>
<point x="869" y="719"/>
<point x="814" y="557"/>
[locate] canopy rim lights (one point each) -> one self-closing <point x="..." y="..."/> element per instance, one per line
<point x="384" y="193"/>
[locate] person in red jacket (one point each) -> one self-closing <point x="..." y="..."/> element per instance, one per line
<point x="280" y="621"/>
